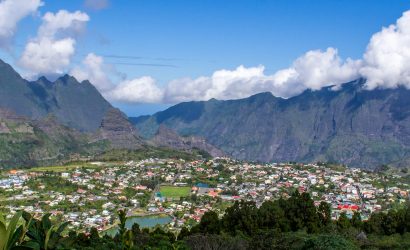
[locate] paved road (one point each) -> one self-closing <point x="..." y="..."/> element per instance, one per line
<point x="156" y="190"/>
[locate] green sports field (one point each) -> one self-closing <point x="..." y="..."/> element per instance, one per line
<point x="174" y="192"/>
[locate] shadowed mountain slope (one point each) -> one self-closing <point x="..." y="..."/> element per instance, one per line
<point x="77" y="105"/>
<point x="352" y="125"/>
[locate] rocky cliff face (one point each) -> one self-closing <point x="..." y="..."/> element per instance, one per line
<point x="11" y="122"/>
<point x="352" y="125"/>
<point x="116" y="128"/>
<point x="165" y="137"/>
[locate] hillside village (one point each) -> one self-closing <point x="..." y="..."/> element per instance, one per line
<point x="89" y="194"/>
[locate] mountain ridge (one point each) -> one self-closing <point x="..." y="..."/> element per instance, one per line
<point x="349" y="125"/>
<point x="46" y="122"/>
<point x="346" y="124"/>
<point x="78" y="105"/>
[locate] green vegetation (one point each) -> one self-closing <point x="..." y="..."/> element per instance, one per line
<point x="62" y="168"/>
<point x="56" y="184"/>
<point x="145" y="153"/>
<point x="294" y="223"/>
<point x="37" y="148"/>
<point x="175" y="192"/>
<point x="48" y="143"/>
<point x="10" y="234"/>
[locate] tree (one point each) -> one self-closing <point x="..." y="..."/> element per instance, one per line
<point x="324" y="212"/>
<point x="271" y="216"/>
<point x="390" y="223"/>
<point x="159" y="239"/>
<point x="356" y="221"/>
<point x="42" y="233"/>
<point x="241" y="216"/>
<point x="183" y="233"/>
<point x="94" y="236"/>
<point x="209" y="223"/>
<point x="135" y="229"/>
<point x="125" y="235"/>
<point x="374" y="224"/>
<point x="310" y="215"/>
<point x="343" y="222"/>
<point x="199" y="241"/>
<point x="301" y="212"/>
<point x="292" y="211"/>
<point x="10" y="234"/>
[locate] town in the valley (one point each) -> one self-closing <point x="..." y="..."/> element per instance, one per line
<point x="176" y="193"/>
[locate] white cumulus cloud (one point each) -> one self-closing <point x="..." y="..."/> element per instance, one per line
<point x="46" y="55"/>
<point x="62" y="21"/>
<point x="387" y="58"/>
<point x="317" y="68"/>
<point x="223" y="84"/>
<point x="51" y="51"/>
<point x="11" y="12"/>
<point x="385" y="63"/>
<point x="138" y="90"/>
<point x="95" y="70"/>
<point x="312" y="70"/>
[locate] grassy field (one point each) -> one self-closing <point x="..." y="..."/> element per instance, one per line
<point x="61" y="168"/>
<point x="174" y="192"/>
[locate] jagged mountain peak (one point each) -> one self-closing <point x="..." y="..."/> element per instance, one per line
<point x="66" y="79"/>
<point x="77" y="105"/>
<point x="43" y="79"/>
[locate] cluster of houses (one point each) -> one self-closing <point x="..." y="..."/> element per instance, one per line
<point x="347" y="190"/>
<point x="96" y="191"/>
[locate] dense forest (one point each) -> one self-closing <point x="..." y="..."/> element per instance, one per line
<point x="294" y="223"/>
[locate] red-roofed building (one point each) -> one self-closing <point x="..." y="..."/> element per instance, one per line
<point x="352" y="207"/>
<point x="213" y="193"/>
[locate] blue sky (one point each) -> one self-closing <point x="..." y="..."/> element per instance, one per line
<point x="169" y="40"/>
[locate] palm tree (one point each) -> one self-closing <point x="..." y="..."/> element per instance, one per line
<point x="42" y="233"/>
<point x="10" y="234"/>
<point x="125" y="235"/>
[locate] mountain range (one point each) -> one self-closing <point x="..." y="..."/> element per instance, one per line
<point x="349" y="125"/>
<point x="77" y="105"/>
<point x="43" y="122"/>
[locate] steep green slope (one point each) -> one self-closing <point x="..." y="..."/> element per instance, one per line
<point x="25" y="143"/>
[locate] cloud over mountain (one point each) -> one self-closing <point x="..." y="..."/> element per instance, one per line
<point x="51" y="51"/>
<point x="385" y="64"/>
<point x="387" y="58"/>
<point x="94" y="70"/>
<point x="148" y="91"/>
<point x="313" y="70"/>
